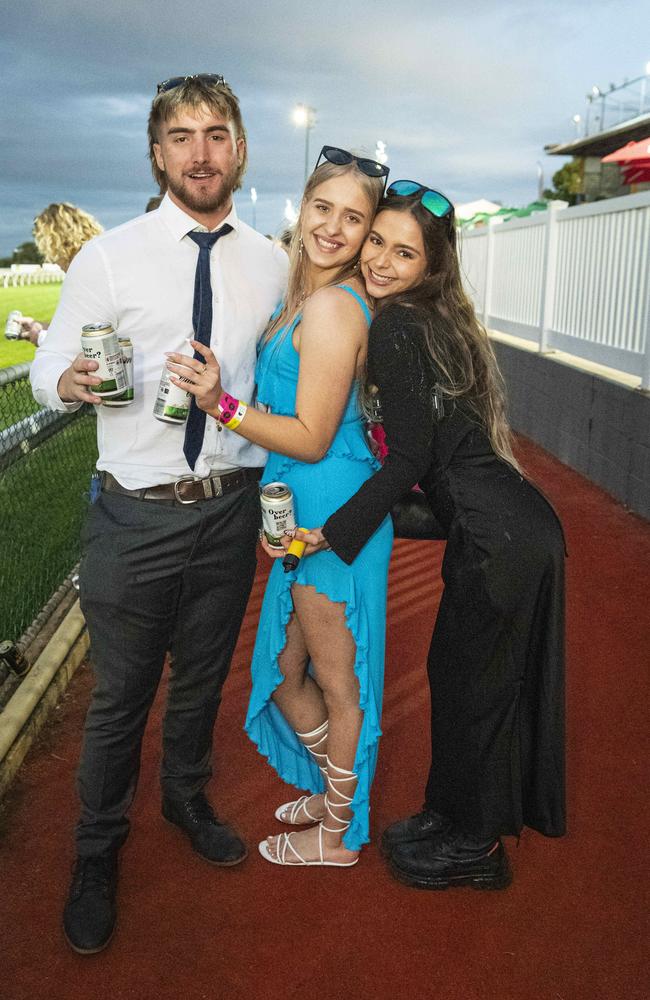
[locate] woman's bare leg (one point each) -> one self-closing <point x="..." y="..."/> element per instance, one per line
<point x="301" y="702"/>
<point x="332" y="650"/>
<point x="299" y="697"/>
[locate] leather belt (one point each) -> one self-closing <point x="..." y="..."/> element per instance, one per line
<point x="188" y="489"/>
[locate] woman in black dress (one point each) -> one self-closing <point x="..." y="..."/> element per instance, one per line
<point x="496" y="662"/>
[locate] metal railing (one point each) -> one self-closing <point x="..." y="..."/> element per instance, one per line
<point x="46" y="461"/>
<point x="571" y="279"/>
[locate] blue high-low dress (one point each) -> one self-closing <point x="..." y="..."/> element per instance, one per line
<point x="320" y="488"/>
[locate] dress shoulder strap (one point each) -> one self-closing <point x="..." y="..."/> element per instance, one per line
<point x="366" y="311"/>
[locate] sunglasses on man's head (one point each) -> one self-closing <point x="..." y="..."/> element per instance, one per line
<point x="433" y="201"/>
<point x="176" y="81"/>
<point x="341" y="157"/>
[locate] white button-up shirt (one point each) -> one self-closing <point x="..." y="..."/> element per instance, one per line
<point x="139" y="277"/>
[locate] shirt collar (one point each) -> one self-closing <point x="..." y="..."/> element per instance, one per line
<point x="180" y="223"/>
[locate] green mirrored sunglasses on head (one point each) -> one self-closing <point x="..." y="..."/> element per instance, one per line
<point x="433" y="201"/>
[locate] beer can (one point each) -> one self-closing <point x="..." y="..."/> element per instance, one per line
<point x="278" y="514"/>
<point x="13" y="329"/>
<point x="172" y="403"/>
<point x="99" y="343"/>
<point x="126" y="397"/>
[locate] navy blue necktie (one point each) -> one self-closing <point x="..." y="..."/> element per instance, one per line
<point x="202" y="323"/>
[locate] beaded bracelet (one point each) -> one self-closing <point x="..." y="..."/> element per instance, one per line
<point x="231" y="411"/>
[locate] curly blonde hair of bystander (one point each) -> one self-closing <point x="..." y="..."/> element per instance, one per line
<point x="61" y="230"/>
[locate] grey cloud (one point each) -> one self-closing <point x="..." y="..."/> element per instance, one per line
<point x="465" y="95"/>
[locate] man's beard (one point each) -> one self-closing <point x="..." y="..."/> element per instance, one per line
<point x="203" y="202"/>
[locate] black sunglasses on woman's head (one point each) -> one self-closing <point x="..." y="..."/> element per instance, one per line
<point x="341" y="157"/>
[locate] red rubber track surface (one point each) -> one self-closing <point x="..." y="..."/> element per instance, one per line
<point x="570" y="927"/>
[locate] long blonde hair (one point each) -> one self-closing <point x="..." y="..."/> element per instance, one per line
<point x="456" y="341"/>
<point x="61" y="230"/>
<point x="297" y="288"/>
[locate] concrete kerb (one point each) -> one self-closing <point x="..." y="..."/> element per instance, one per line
<point x="27" y="710"/>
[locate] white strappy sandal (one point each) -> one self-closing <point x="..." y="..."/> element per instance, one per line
<point x="294" y="808"/>
<point x="287" y="855"/>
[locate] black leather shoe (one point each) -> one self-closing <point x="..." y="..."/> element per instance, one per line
<point x="452" y="859"/>
<point x="423" y="826"/>
<point x="211" y="839"/>
<point x="90" y="911"/>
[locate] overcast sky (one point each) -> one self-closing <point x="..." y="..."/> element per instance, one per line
<point x="464" y="94"/>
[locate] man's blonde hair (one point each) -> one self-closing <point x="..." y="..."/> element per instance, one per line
<point x="194" y="94"/>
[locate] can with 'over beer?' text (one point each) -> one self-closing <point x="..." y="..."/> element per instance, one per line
<point x="278" y="514"/>
<point x="99" y="343"/>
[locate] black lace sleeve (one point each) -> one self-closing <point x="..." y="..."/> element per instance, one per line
<point x="403" y="372"/>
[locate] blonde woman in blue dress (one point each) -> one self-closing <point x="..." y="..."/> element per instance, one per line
<point x="318" y="663"/>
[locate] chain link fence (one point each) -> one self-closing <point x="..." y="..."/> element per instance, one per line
<point x="46" y="462"/>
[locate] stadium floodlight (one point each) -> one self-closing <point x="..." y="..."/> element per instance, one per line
<point x="290" y="213"/>
<point x="381" y="153"/>
<point x="304" y="117"/>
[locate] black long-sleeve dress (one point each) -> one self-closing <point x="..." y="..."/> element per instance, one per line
<point x="496" y="661"/>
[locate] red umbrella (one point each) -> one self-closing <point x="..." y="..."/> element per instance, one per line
<point x="637" y="153"/>
<point x="636" y="174"/>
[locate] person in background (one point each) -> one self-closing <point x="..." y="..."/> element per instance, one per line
<point x="59" y="231"/>
<point x="170" y="543"/>
<point x="496" y="661"/>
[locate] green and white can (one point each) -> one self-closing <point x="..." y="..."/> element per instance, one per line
<point x="99" y="343"/>
<point x="127" y="396"/>
<point x="172" y="403"/>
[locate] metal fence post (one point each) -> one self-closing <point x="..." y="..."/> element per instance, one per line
<point x="549" y="274"/>
<point x="645" y="374"/>
<point x="489" y="269"/>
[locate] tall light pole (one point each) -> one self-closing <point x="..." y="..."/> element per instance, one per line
<point x="304" y="117"/>
<point x="254" y="201"/>
<point x="644" y="84"/>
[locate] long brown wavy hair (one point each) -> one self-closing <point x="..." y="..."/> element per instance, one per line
<point x="297" y="286"/>
<point x="455" y="339"/>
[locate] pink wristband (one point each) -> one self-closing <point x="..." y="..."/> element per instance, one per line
<point x="227" y="407"/>
<point x="231" y="411"/>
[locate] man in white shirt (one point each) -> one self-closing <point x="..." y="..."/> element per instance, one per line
<point x="170" y="543"/>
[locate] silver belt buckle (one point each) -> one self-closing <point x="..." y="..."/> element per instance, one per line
<point x="215" y="484"/>
<point x="184" y="479"/>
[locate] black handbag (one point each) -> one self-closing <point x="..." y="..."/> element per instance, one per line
<point x="413" y="518"/>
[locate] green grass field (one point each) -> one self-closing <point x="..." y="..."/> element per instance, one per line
<point x="43" y="500"/>
<point x="38" y="301"/>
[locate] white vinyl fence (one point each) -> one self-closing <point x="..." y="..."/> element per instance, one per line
<point x="30" y="274"/>
<point x="572" y="279"/>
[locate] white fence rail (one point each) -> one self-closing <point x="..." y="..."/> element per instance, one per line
<point x="30" y="274"/>
<point x="572" y="279"/>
